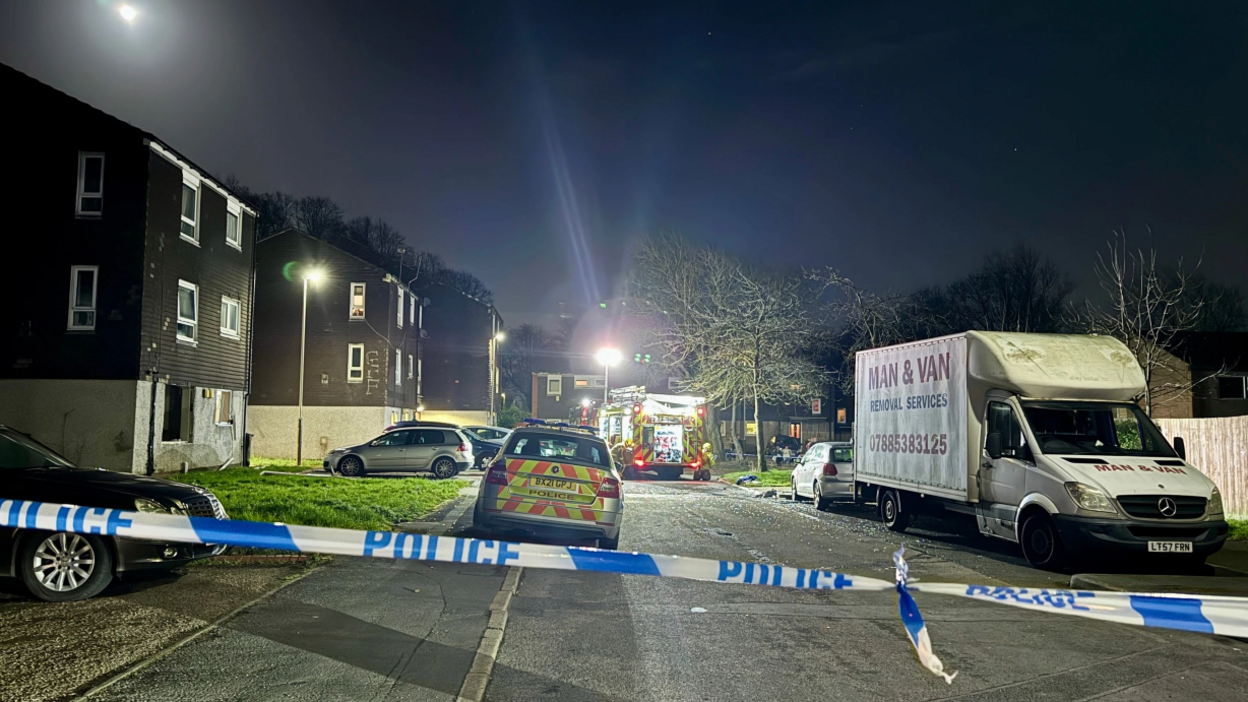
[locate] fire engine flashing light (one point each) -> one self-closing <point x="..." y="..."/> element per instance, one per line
<point x="639" y="463"/>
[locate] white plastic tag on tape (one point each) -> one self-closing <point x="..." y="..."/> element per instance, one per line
<point x="1215" y="615"/>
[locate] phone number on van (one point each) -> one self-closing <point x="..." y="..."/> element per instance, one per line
<point x="933" y="444"/>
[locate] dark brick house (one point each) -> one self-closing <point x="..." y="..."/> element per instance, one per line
<point x="126" y="339"/>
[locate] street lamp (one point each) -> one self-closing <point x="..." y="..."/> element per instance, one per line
<point x="311" y="276"/>
<point x="608" y="357"/>
<point x="128" y="13"/>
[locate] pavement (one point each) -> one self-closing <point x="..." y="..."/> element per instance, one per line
<point x="370" y="629"/>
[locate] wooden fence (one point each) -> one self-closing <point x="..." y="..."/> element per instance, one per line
<point x="1219" y="448"/>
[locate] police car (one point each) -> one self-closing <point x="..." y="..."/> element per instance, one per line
<point x="553" y="478"/>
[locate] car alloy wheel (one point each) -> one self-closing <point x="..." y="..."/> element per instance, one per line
<point x="63" y="566"/>
<point x="444" y="467"/>
<point x="351" y="466"/>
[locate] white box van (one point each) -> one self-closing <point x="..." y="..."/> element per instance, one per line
<point x="1036" y="435"/>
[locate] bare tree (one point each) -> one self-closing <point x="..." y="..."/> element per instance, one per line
<point x="734" y="332"/>
<point x="527" y="350"/>
<point x="359" y="229"/>
<point x="468" y="284"/>
<point x="319" y="216"/>
<point x="385" y="239"/>
<point x="1018" y="291"/>
<point x="1223" y="308"/>
<point x="869" y="320"/>
<point x="275" y="212"/>
<point x="1148" y="304"/>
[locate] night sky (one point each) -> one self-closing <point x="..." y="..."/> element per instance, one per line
<point x="531" y="143"/>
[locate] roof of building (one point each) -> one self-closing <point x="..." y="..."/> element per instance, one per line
<point x="161" y="146"/>
<point x="1212" y="350"/>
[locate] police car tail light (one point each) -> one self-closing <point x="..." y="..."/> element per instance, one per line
<point x="497" y="474"/>
<point x="696" y="464"/>
<point x="610" y="487"/>
<point x="829" y="469"/>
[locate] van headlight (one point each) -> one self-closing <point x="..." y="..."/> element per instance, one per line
<point x="1090" y="498"/>
<point x="1215" y="502"/>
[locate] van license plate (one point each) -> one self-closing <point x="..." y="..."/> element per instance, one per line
<point x="1169" y="546"/>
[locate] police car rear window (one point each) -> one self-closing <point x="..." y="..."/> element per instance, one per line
<point x="567" y="448"/>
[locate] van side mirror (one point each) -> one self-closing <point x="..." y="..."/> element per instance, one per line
<point x="1180" y="447"/>
<point x="994" y="445"/>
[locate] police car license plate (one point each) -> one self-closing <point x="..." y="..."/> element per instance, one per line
<point x="553" y="483"/>
<point x="1169" y="546"/>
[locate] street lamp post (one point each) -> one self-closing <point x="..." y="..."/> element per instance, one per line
<point x="310" y="277"/>
<point x="608" y="357"/>
<point x="499" y="337"/>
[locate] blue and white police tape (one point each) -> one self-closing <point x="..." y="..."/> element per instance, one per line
<point x="913" y="620"/>
<point x="1216" y="615"/>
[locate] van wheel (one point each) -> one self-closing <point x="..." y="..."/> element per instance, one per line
<point x="351" y="466"/>
<point x="890" y="511"/>
<point x="444" y="468"/>
<point x="1041" y="543"/>
<point x="63" y="567"/>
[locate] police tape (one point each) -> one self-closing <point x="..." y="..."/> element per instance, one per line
<point x="1207" y="614"/>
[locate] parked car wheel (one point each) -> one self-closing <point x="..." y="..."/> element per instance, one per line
<point x="351" y="466"/>
<point x="793" y="491"/>
<point x="890" y="511"/>
<point x="444" y="468"/>
<point x="1041" y="543"/>
<point x="821" y="503"/>
<point x="63" y="567"/>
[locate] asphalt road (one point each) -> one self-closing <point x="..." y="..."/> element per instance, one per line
<point x="379" y="630"/>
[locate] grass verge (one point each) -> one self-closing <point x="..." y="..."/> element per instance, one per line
<point x="286" y="465"/>
<point x="776" y="477"/>
<point x="1239" y="529"/>
<point x="365" y="503"/>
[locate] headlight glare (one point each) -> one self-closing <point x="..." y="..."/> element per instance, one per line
<point x="143" y="505"/>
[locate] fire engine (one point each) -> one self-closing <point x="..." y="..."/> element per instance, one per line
<point x="666" y="432"/>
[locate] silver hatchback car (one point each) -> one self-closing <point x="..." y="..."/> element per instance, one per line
<point x="443" y="452"/>
<point x="825" y="473"/>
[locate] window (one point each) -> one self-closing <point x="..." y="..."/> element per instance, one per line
<point x="357" y="301"/>
<point x="554" y="385"/>
<point x="1231" y="387"/>
<point x="1001" y="420"/>
<point x="355" y="363"/>
<point x="188" y="310"/>
<point x="229" y="317"/>
<point x="394" y="438"/>
<point x="1094" y="428"/>
<point x="225" y="409"/>
<point x="840" y="415"/>
<point x="233" y="225"/>
<point x="430" y="436"/>
<point x="190" y="207"/>
<point x="398" y="367"/>
<point x="82" y="281"/>
<point x="400" y="295"/>
<point x="411" y="309"/>
<point x="179" y="409"/>
<point x="545" y="446"/>
<point x="411" y="366"/>
<point x="843" y="455"/>
<point x="90" y="184"/>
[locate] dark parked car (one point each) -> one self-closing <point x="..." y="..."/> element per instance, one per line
<point x="63" y="566"/>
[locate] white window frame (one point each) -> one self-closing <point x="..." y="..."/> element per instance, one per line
<point x="82" y="184"/>
<point x="73" y="297"/>
<point x="411" y="366"/>
<point x="400" y="295"/>
<point x="225" y="400"/>
<point x="235" y="210"/>
<point x="398" y="368"/>
<point x="351" y="315"/>
<point x="227" y="301"/>
<point x="411" y="309"/>
<point x="191" y="181"/>
<point x="192" y="322"/>
<point x="359" y="368"/>
<point x="554" y="385"/>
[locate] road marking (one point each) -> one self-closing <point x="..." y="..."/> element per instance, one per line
<point x="478" y="677"/>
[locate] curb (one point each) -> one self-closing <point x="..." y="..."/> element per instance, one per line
<point x="478" y="677"/>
